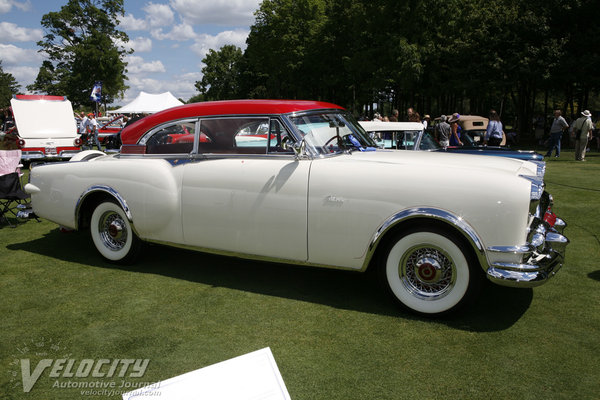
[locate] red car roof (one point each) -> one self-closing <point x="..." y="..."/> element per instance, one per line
<point x="133" y="132"/>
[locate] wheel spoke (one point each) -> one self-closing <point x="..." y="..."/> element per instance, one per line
<point x="113" y="231"/>
<point x="427" y="272"/>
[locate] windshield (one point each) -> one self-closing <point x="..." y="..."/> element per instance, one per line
<point x="428" y="142"/>
<point x="331" y="132"/>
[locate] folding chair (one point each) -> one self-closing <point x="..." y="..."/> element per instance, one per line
<point x="13" y="200"/>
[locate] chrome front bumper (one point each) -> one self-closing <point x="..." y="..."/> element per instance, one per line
<point x="542" y="255"/>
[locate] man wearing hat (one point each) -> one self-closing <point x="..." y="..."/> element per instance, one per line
<point x="582" y="128"/>
<point x="455" y="130"/>
<point x="426" y="121"/>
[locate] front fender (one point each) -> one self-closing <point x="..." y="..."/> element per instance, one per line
<point x="427" y="213"/>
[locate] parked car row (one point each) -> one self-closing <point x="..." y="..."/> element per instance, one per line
<point x="302" y="182"/>
<point x="412" y="136"/>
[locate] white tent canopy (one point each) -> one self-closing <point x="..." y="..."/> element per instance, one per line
<point x="149" y="103"/>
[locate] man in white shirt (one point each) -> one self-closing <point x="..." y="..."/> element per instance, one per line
<point x="92" y="128"/>
<point x="83" y="123"/>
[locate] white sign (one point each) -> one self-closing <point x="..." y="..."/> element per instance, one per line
<point x="252" y="376"/>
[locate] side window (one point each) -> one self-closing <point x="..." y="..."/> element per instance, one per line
<point x="175" y="138"/>
<point x="244" y="135"/>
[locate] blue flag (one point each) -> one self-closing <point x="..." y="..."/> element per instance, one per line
<point x="96" y="92"/>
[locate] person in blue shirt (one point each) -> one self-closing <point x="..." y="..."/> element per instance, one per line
<point x="494" y="131"/>
<point x="455" y="130"/>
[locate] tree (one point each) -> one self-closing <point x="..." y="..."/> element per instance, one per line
<point x="8" y="87"/>
<point x="281" y="57"/>
<point x="45" y="81"/>
<point x="221" y="74"/>
<point x="80" y="44"/>
<point x="464" y="56"/>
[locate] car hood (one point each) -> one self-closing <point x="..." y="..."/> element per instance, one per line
<point x="439" y="162"/>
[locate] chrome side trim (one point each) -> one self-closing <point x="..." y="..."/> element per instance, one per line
<point x="106" y="189"/>
<point x="541" y="168"/>
<point x="510" y="249"/>
<point x="537" y="186"/>
<point x="429" y="213"/>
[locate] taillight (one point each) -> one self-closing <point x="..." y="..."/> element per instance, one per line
<point x="550" y="217"/>
<point x="21" y="143"/>
<point x="77" y="142"/>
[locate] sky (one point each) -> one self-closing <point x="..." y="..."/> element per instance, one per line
<point x="169" y="38"/>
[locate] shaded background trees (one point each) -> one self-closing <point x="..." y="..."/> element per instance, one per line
<point x="519" y="57"/>
<point x="522" y="58"/>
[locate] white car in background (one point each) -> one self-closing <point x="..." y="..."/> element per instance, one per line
<point x="46" y="127"/>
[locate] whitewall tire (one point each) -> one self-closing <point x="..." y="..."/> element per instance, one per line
<point x="429" y="271"/>
<point x="112" y="233"/>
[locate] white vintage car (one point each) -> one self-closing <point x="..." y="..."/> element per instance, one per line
<point x="46" y="127"/>
<point x="301" y="182"/>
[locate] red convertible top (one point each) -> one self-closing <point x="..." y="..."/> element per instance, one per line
<point x="133" y="132"/>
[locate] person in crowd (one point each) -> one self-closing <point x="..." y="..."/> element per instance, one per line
<point x="414" y="117"/>
<point x="426" y="121"/>
<point x="92" y="128"/>
<point x="377" y="117"/>
<point x="494" y="132"/>
<point x="455" y="130"/>
<point x="83" y="120"/>
<point x="559" y="125"/>
<point x="8" y="120"/>
<point x="394" y="117"/>
<point x="442" y="132"/>
<point x="582" y="129"/>
<point x="410" y="114"/>
<point x="596" y="135"/>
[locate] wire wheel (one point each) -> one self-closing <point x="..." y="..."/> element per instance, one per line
<point x="428" y="271"/>
<point x="112" y="233"/>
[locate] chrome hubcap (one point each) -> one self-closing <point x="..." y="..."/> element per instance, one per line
<point x="113" y="230"/>
<point x="427" y="272"/>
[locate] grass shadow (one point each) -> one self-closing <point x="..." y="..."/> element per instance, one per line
<point x="496" y="309"/>
<point x="595" y="275"/>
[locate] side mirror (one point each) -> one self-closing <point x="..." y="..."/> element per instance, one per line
<point x="287" y="143"/>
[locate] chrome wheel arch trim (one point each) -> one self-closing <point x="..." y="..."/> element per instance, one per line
<point x="435" y="214"/>
<point x="104" y="189"/>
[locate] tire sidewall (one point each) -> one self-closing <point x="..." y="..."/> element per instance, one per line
<point x="451" y="248"/>
<point x="112" y="255"/>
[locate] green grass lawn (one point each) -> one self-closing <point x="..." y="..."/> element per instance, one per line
<point x="334" y="334"/>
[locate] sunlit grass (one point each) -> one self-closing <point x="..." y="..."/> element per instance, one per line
<point x="334" y="334"/>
